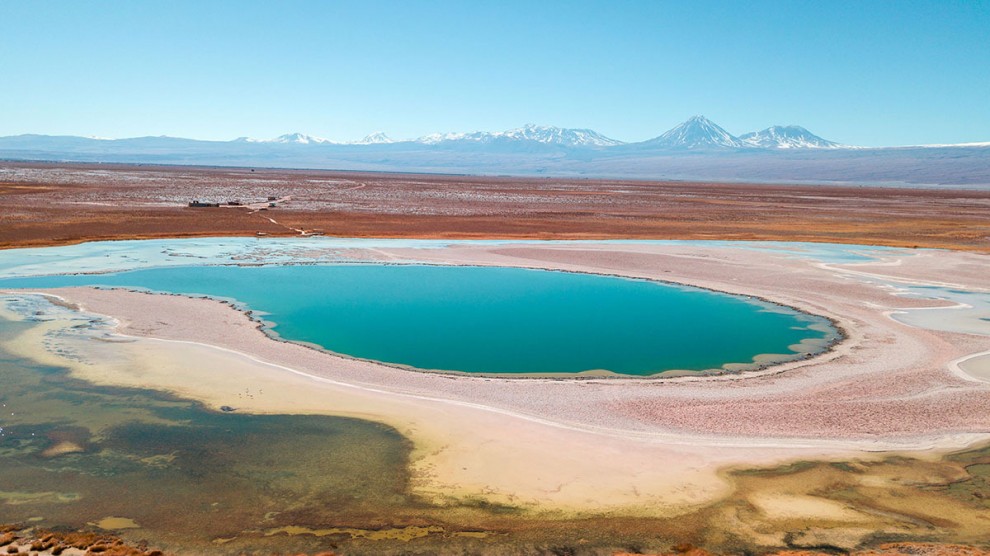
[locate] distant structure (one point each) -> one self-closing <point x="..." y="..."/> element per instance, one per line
<point x="272" y="203"/>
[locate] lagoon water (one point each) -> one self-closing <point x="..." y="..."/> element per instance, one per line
<point x="488" y="320"/>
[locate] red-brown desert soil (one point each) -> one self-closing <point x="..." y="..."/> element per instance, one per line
<point x="51" y="204"/>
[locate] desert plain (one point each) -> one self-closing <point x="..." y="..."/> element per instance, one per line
<point x="53" y="204"/>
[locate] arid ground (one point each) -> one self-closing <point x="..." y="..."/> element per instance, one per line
<point x="46" y="204"/>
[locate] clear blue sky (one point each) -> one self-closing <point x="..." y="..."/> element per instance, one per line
<point x="858" y="72"/>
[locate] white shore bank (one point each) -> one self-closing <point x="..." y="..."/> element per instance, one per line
<point x="654" y="446"/>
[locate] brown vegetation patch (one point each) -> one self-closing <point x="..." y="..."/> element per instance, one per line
<point x="51" y="204"/>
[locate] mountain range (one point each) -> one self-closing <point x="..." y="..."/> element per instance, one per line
<point x="697" y="132"/>
<point x="697" y="149"/>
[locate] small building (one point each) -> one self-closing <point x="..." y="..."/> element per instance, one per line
<point x="202" y="204"/>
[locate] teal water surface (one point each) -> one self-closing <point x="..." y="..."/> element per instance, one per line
<point x="488" y="320"/>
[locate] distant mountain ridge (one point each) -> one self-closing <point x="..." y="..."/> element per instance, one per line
<point x="697" y="133"/>
<point x="548" y="135"/>
<point x="786" y="137"/>
<point x="697" y="149"/>
<point x="377" y="138"/>
<point x="300" y="139"/>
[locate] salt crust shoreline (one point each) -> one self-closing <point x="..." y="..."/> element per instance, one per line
<point x="806" y="349"/>
<point x="635" y="445"/>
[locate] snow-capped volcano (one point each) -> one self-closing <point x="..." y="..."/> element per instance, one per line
<point x="786" y="137"/>
<point x="376" y="138"/>
<point x="548" y="135"/>
<point x="697" y="133"/>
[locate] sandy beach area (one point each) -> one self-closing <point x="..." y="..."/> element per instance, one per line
<point x="638" y="446"/>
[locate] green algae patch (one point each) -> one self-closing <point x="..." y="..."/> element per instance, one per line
<point x="112" y="523"/>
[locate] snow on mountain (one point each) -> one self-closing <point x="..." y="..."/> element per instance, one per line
<point x="293" y="138"/>
<point x="377" y="138"/>
<point x="560" y="136"/>
<point x="300" y="138"/>
<point x="511" y="153"/>
<point x="436" y="138"/>
<point x="786" y="137"/>
<point x="548" y="135"/>
<point x="697" y="132"/>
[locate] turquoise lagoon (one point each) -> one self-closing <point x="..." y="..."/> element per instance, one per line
<point x="490" y="320"/>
